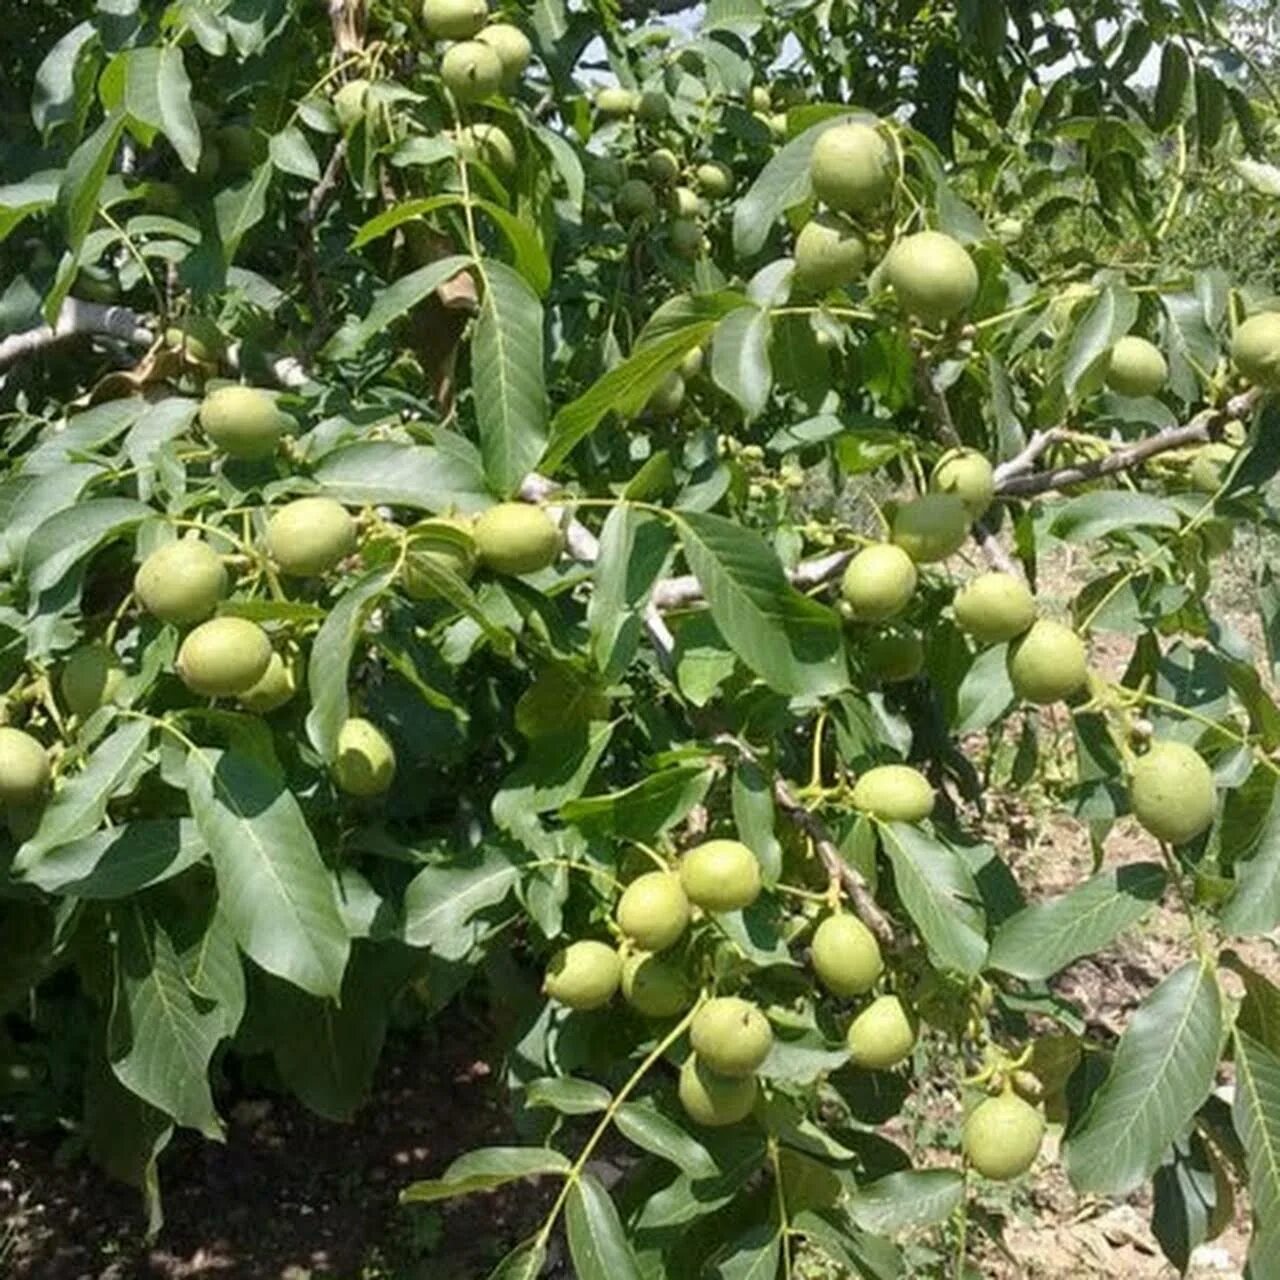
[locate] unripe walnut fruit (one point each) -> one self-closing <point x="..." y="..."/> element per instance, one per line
<point x="894" y="656"/>
<point x="721" y="875"/>
<point x="309" y="536"/>
<point x="846" y="955"/>
<point x="829" y="254"/>
<point x="667" y="397"/>
<point x="1255" y="350"/>
<point x="714" y="1101"/>
<point x="882" y="1035"/>
<point x="615" y="101"/>
<point x="584" y="975"/>
<point x="224" y="657"/>
<point x="994" y="607"/>
<point x="730" y="1036"/>
<point x="1047" y="663"/>
<point x="181" y="582"/>
<point x="969" y="475"/>
<point x="365" y="764"/>
<point x="635" y="199"/>
<point x="714" y="179"/>
<point x="879" y="582"/>
<point x="933" y="276"/>
<point x="932" y="527"/>
<point x="1002" y="1137"/>
<point x="1171" y="792"/>
<point x="516" y="538"/>
<point x="512" y="47"/>
<point x="454" y="19"/>
<point x="274" y="688"/>
<point x="851" y="167"/>
<point x="1136" y="367"/>
<point x="654" y="911"/>
<point x="894" y="793"/>
<point x="471" y="71"/>
<point x="90" y="678"/>
<point x="243" y="422"/>
<point x="655" y="985"/>
<point x="24" y="768"/>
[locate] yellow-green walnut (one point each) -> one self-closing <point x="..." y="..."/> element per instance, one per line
<point x="1171" y="792"/>
<point x="309" y="536"/>
<point x="516" y="538"/>
<point x="654" y="910"/>
<point x="1002" y="1136"/>
<point x="1136" y="367"/>
<point x="471" y="71"/>
<point x="970" y="476"/>
<point x="829" y="254"/>
<point x="846" y="955"/>
<point x="994" y="607"/>
<point x="933" y="276"/>
<point x="882" y="1035"/>
<point x="879" y="582"/>
<point x="24" y="769"/>
<point x="512" y="47"/>
<point x="655" y="986"/>
<point x="365" y="764"/>
<point x="584" y="975"/>
<point x="712" y="1100"/>
<point x="714" y="179"/>
<point x="1047" y="663"/>
<point x="224" y="657"/>
<point x="851" y="167"/>
<point x="275" y="687"/>
<point x="244" y="422"/>
<point x="1255" y="350"/>
<point x="894" y="793"/>
<point x="454" y="19"/>
<point x="720" y="875"/>
<point x="730" y="1036"/>
<point x="181" y="581"/>
<point x="931" y="527"/>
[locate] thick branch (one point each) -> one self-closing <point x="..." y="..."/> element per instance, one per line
<point x="77" y="318"/>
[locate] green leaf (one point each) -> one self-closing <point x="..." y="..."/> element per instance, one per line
<point x="393" y="302"/>
<point x="1171" y="88"/>
<point x="753" y="1255"/>
<point x="291" y="153"/>
<point x="486" y="1169"/>
<point x="330" y="661"/>
<point x="740" y="363"/>
<point x="20" y="200"/>
<point x="119" y="861"/>
<point x="442" y="904"/>
<point x="161" y="1036"/>
<point x="64" y="81"/>
<point x="985" y="692"/>
<point x="792" y="642"/>
<point x="567" y="1095"/>
<point x="238" y="209"/>
<point x="832" y="1233"/>
<point x="81" y="186"/>
<point x="380" y="472"/>
<point x="1047" y="936"/>
<point x="624" y="390"/>
<point x="62" y="541"/>
<point x="908" y="1200"/>
<point x="939" y="894"/>
<point x="1251" y="837"/>
<point x="646" y="808"/>
<point x="277" y="894"/>
<point x="783" y="182"/>
<point x="754" y="817"/>
<point x="597" y="1242"/>
<point x="80" y="804"/>
<point x="86" y="432"/>
<point x="642" y="1123"/>
<point x="507" y="377"/>
<point x="1255" y="1111"/>
<point x="634" y="548"/>
<point x="156" y="92"/>
<point x="525" y="1262"/>
<point x="1109" y="317"/>
<point x="1092" y="516"/>
<point x="1162" y="1071"/>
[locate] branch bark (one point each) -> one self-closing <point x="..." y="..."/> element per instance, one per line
<point x="76" y="318"/>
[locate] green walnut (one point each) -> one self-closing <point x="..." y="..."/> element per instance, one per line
<point x="275" y="687"/>
<point x="851" y="168"/>
<point x="668" y="396"/>
<point x="516" y="538"/>
<point x="730" y="1036"/>
<point x="181" y="582"/>
<point x="350" y="104"/>
<point x="894" y="656"/>
<point x="846" y="955"/>
<point x="471" y="71"/>
<point x="829" y="254"/>
<point x="994" y="607"/>
<point x="444" y="543"/>
<point x="198" y="339"/>
<point x="933" y="276"/>
<point x="759" y="99"/>
<point x="654" y="911"/>
<point x="583" y="976"/>
<point x="512" y="47"/>
<point x="1047" y="663"/>
<point x="691" y="365"/>
<point x="1171" y="792"/>
<point x="224" y="657"/>
<point x="714" y="179"/>
<point x="655" y="986"/>
<point x="894" y="793"/>
<point x="635" y="199"/>
<point x="879" y="582"/>
<point x="243" y="422"/>
<point x="931" y="527"/>
<point x="685" y="238"/>
<point x="488" y="144"/>
<point x="309" y="536"/>
<point x="454" y="19"/>
<point x="616" y="101"/>
<point x="1136" y="368"/>
<point x="652" y="107"/>
<point x="1255" y="350"/>
<point x="970" y="476"/>
<point x="662" y="166"/>
<point x="90" y="678"/>
<point x="24" y="769"/>
<point x="721" y="875"/>
<point x="1210" y="466"/>
<point x="882" y="1035"/>
<point x="714" y="1101"/>
<point x="1002" y="1137"/>
<point x="683" y="202"/>
<point x="365" y="764"/>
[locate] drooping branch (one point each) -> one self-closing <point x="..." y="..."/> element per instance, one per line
<point x="76" y="318"/>
<point x="850" y="878"/>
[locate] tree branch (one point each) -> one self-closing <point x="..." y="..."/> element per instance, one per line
<point x="76" y="318"/>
